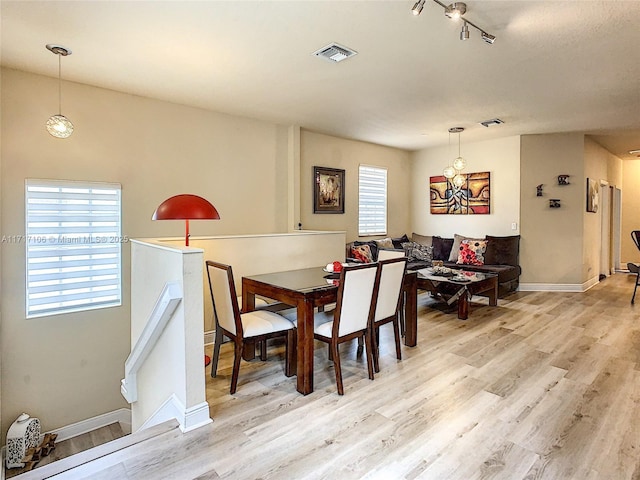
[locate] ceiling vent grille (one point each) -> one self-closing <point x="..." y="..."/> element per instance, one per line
<point x="335" y="53"/>
<point x="493" y="121"/>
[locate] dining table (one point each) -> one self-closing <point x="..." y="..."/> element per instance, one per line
<point x="311" y="288"/>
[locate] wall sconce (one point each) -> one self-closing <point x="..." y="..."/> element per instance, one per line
<point x="539" y="190"/>
<point x="554" y="203"/>
<point x="186" y="207"/>
<point x="58" y="125"/>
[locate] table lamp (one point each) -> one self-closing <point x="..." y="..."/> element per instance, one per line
<point x="186" y="207"/>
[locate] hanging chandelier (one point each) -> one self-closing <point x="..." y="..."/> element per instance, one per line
<point x="58" y="125"/>
<point x="453" y="171"/>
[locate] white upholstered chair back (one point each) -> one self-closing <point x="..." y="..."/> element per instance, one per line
<point x="223" y="296"/>
<point x="391" y="278"/>
<point x="357" y="287"/>
<point x="387" y="254"/>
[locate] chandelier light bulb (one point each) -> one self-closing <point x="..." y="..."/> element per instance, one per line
<point x="459" y="180"/>
<point x="449" y="172"/>
<point x="459" y="163"/>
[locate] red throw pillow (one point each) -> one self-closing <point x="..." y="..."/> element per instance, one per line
<point x="472" y="252"/>
<point x="362" y="253"/>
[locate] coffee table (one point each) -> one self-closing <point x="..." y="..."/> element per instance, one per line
<point x="460" y="287"/>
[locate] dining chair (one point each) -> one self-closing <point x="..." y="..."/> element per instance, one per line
<point x="385" y="254"/>
<point x="634" y="267"/>
<point x="389" y="302"/>
<point x="243" y="328"/>
<point x="352" y="317"/>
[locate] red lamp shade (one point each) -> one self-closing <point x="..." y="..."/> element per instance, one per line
<point x="186" y="207"/>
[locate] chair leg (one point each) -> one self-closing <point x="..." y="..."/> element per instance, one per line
<point x="263" y="350"/>
<point x="337" y="368"/>
<point x="401" y="312"/>
<point x="291" y="354"/>
<point x="237" y="356"/>
<point x="635" y="288"/>
<point x="360" y="347"/>
<point x="396" y="333"/>
<point x="216" y="351"/>
<point x="375" y="350"/>
<point x="368" y="343"/>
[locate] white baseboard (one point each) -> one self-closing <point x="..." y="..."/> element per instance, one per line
<point x="122" y="416"/>
<point x="558" y="287"/>
<point x="209" y="337"/>
<point x="188" y="418"/>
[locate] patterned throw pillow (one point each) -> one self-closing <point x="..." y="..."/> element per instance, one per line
<point x="415" y="251"/>
<point x="472" y="252"/>
<point x="385" y="243"/>
<point x="362" y="253"/>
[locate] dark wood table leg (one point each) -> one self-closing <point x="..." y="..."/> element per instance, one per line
<point x="463" y="305"/>
<point x="493" y="293"/>
<point x="411" y="310"/>
<point x="305" y="347"/>
<point x="248" y="305"/>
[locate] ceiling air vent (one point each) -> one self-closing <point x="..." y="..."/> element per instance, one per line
<point x="493" y="121"/>
<point x="335" y="53"/>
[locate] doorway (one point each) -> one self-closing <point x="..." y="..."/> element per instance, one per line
<point x="605" y="229"/>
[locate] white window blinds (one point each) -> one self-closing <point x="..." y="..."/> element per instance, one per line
<point x="372" y="201"/>
<point x="73" y="242"/>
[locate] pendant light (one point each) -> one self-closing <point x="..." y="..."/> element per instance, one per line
<point x="453" y="170"/>
<point x="58" y="125"/>
<point x="459" y="163"/>
<point x="449" y="172"/>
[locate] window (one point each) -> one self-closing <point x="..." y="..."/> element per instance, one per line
<point x="372" y="201"/>
<point x="73" y="244"/>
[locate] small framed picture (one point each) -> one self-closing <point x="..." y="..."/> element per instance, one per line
<point x="328" y="190"/>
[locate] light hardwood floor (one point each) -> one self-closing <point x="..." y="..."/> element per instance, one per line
<point x="544" y="386"/>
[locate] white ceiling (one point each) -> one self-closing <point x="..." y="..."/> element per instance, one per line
<point x="562" y="66"/>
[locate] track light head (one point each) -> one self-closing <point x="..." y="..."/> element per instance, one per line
<point x="464" y="34"/>
<point x="455" y="10"/>
<point x="417" y="8"/>
<point x="487" y="37"/>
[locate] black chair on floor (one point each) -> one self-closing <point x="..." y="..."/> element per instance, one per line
<point x="634" y="267"/>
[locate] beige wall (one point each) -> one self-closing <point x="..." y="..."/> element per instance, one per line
<point x="551" y="243"/>
<point x="68" y="368"/>
<point x="630" y="211"/>
<point x="596" y="161"/>
<point x="326" y="151"/>
<point x="569" y="237"/>
<point x="500" y="157"/>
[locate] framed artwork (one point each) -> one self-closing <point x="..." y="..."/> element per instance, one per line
<point x="472" y="198"/>
<point x="328" y="190"/>
<point x="593" y="190"/>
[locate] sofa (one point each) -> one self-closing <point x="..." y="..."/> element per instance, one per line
<point x="490" y="254"/>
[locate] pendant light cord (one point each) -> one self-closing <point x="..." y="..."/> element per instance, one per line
<point x="59" y="85"/>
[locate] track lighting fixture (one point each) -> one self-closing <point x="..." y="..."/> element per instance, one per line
<point x="417" y="8"/>
<point x="456" y="11"/>
<point x="464" y="34"/>
<point x="487" y="37"/>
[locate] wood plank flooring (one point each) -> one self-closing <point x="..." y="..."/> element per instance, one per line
<point x="544" y="386"/>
